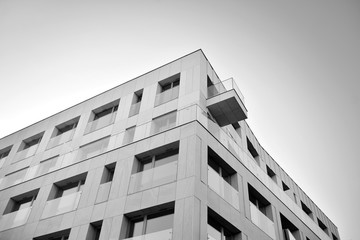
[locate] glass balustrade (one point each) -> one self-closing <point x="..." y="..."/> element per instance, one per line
<point x="167" y="96"/>
<point x="61" y="205"/>
<point x="28" y="152"/>
<point x="103" y="192"/>
<point x="134" y="109"/>
<point x="100" y="123"/>
<point x="222" y="188"/>
<point x="224" y="86"/>
<point x="14" y="219"/>
<point x="153" y="177"/>
<point x="161" y="235"/>
<point x="262" y="221"/>
<point x="62" y="138"/>
<point x="289" y="235"/>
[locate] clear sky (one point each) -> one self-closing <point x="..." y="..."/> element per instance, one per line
<point x="296" y="62"/>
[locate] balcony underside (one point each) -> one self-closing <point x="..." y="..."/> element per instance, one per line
<point x="227" y="108"/>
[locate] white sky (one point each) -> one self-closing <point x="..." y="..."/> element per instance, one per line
<point x="296" y="62"/>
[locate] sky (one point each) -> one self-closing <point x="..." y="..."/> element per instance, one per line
<point x="296" y="62"/>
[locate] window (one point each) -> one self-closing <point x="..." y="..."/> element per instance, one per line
<point x="32" y="141"/>
<point x="271" y="173"/>
<point x="67" y="126"/>
<point x="108" y="173"/>
<point x="222" y="168"/>
<point x="5" y="152"/>
<point x="107" y="111"/>
<point x="94" y="231"/>
<point x="323" y="226"/>
<point x="136" y="102"/>
<point x="253" y="151"/>
<point x="68" y="186"/>
<point x="152" y="222"/>
<point x="290" y="231"/>
<point x="260" y="202"/>
<point x="285" y="187"/>
<point x="163" y="122"/>
<point x="61" y="235"/>
<point x="158" y="157"/>
<point x="334" y="237"/>
<point x="219" y="229"/>
<point x="168" y="89"/>
<point x="94" y="148"/>
<point x="20" y="202"/>
<point x="129" y="135"/>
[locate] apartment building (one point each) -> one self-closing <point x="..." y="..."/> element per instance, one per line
<point x="167" y="155"/>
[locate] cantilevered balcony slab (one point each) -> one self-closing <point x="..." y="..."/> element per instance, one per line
<point x="225" y="103"/>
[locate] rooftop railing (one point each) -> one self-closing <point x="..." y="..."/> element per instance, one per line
<point x="224" y="86"/>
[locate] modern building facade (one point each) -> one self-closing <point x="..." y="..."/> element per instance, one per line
<point x="167" y="155"/>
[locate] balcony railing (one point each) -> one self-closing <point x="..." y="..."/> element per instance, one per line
<point x="224" y="189"/>
<point x="167" y="96"/>
<point x="289" y="235"/>
<point x="25" y="153"/>
<point x="61" y="205"/>
<point x="62" y="138"/>
<point x="263" y="222"/>
<point x="224" y="86"/>
<point x="14" y="219"/>
<point x="134" y="109"/>
<point x="161" y="235"/>
<point x="2" y="161"/>
<point x="100" y="123"/>
<point x="153" y="177"/>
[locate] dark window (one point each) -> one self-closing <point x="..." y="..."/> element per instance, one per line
<point x="220" y="229"/>
<point x="67" y="126"/>
<point x="108" y="173"/>
<point x="323" y="226"/>
<point x="271" y="173"/>
<point x="94" y="231"/>
<point x="252" y="151"/>
<point x="5" y="152"/>
<point x="306" y="210"/>
<point x="68" y="186"/>
<point x="285" y="187"/>
<point x="61" y="235"/>
<point x="22" y="201"/>
<point x="105" y="112"/>
<point x="260" y="202"/>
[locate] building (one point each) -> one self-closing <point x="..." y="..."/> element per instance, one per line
<point x="167" y="155"/>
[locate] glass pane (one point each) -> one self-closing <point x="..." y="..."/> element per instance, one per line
<point x="137" y="229"/>
<point x="213" y="234"/>
<point x="70" y="191"/>
<point x="165" y="160"/>
<point x="159" y="223"/>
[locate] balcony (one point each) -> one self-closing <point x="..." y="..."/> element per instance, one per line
<point x="161" y="235"/>
<point x="225" y="103"/>
<point x="100" y="123"/>
<point x="28" y="152"/>
<point x="61" y="205"/>
<point x="134" y="109"/>
<point x="153" y="177"/>
<point x="167" y="96"/>
<point x="222" y="188"/>
<point x="103" y="192"/>
<point x="262" y="221"/>
<point x="14" y="219"/>
<point x="60" y="139"/>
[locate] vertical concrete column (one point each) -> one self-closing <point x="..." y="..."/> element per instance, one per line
<point x="187" y="219"/>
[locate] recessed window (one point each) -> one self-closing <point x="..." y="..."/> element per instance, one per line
<point x="260" y="202"/>
<point x="222" y="168"/>
<point x="129" y="135"/>
<point x="163" y="122"/>
<point x="103" y="113"/>
<point x="108" y="173"/>
<point x="66" y="126"/>
<point x="5" y="152"/>
<point x="102" y="117"/>
<point x="168" y="89"/>
<point x="68" y="186"/>
<point x="153" y="222"/>
<point x="271" y="173"/>
<point x="285" y="187"/>
<point x="30" y="142"/>
<point x="219" y="229"/>
<point x="334" y="237"/>
<point x="94" y="231"/>
<point x="61" y="235"/>
<point x="290" y="231"/>
<point x="20" y="202"/>
<point x="158" y="157"/>
<point x="136" y="102"/>
<point x="323" y="226"/>
<point x="253" y="151"/>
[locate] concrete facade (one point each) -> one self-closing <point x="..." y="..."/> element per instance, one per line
<point x="167" y="155"/>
